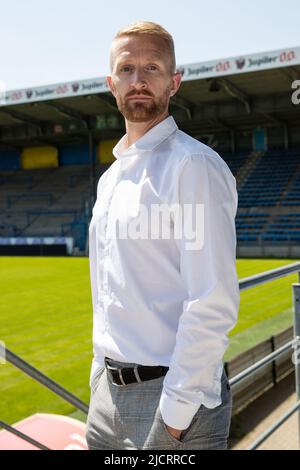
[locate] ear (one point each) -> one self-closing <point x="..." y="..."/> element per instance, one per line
<point x="176" y="81"/>
<point x="110" y="84"/>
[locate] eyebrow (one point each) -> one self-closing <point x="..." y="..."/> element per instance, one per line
<point x="154" y="56"/>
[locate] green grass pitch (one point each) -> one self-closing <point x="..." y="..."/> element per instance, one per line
<point x="46" y="318"/>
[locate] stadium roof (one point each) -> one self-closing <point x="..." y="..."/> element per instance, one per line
<point x="220" y="95"/>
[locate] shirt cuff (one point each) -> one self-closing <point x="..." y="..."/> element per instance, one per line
<point x="177" y="414"/>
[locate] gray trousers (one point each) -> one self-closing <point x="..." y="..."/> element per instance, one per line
<point x="128" y="417"/>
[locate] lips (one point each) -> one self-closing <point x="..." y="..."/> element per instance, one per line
<point x="139" y="98"/>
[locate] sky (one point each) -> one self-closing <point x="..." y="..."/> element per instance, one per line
<point x="64" y="40"/>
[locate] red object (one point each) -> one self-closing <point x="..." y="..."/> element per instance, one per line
<point x="54" y="431"/>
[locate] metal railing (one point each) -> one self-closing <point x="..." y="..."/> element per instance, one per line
<point x="244" y="284"/>
<point x="256" y="280"/>
<point x="23" y="436"/>
<point x="47" y="382"/>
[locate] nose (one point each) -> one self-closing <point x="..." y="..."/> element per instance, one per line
<point x="138" y="80"/>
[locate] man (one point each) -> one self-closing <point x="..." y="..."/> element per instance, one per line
<point x="163" y="305"/>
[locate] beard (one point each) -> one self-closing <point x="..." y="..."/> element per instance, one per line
<point x="145" y="111"/>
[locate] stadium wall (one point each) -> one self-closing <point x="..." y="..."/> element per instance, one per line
<point x="222" y="141"/>
<point x="74" y="154"/>
<point x="68" y="154"/>
<point x="268" y="251"/>
<point x="9" y="160"/>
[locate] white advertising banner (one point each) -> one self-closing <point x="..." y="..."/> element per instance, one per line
<point x="213" y="68"/>
<point x="68" y="241"/>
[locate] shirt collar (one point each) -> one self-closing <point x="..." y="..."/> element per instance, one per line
<point x="148" y="141"/>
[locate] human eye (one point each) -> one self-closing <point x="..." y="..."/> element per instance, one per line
<point x="125" y="68"/>
<point x="152" y="67"/>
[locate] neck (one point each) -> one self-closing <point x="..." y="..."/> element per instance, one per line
<point x="136" y="130"/>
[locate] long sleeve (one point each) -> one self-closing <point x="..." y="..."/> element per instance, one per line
<point x="209" y="275"/>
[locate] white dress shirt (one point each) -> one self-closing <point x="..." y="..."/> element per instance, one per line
<point x="155" y="302"/>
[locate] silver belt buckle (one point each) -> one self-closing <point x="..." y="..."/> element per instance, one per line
<point x="119" y="372"/>
<point x="135" y="370"/>
<point x="137" y="376"/>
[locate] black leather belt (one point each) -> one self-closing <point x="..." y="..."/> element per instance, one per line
<point x="123" y="376"/>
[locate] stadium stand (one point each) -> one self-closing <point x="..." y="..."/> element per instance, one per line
<point x="46" y="202"/>
<point x="56" y="140"/>
<point x="265" y="198"/>
<point x="56" y="201"/>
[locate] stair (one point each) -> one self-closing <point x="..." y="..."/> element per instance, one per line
<point x="248" y="167"/>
